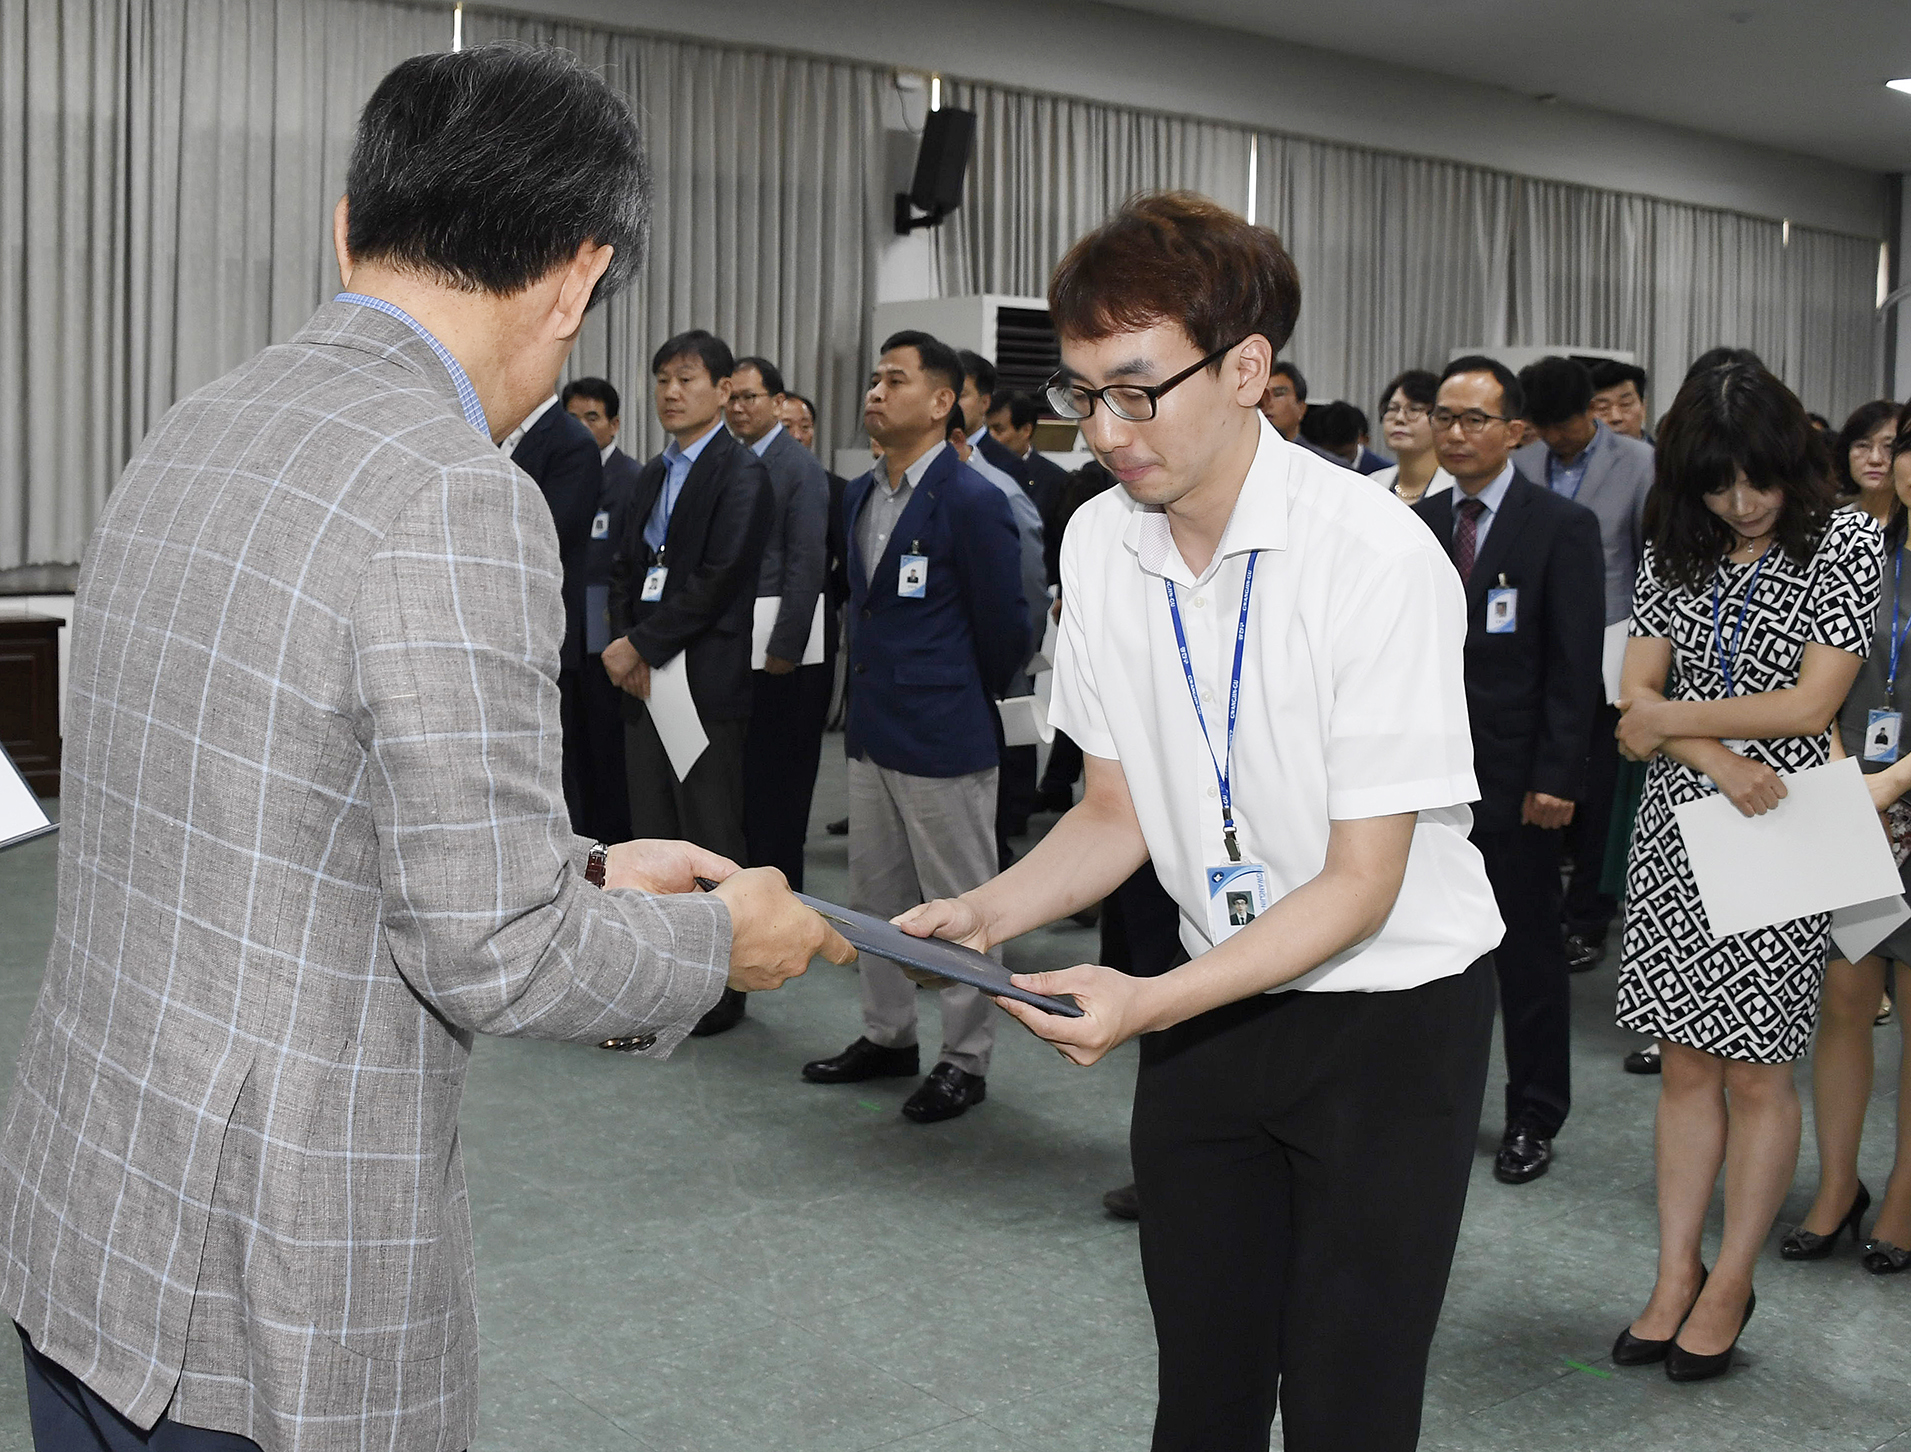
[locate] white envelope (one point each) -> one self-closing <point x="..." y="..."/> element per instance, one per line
<point x="1821" y="849"/>
<point x="675" y="715"/>
<point x="1860" y="928"/>
<point x="1044" y="658"/>
<point x="1614" y="658"/>
<point x="1025" y="721"/>
<point x="768" y="607"/>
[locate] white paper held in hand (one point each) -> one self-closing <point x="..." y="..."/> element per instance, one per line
<point x="1821" y="849"/>
<point x="768" y="607"/>
<point x="675" y="716"/>
<point x="21" y="818"/>
<point x="1613" y="658"/>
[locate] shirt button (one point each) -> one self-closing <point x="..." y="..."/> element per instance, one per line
<point x="1208" y="696"/>
<point x="1214" y="791"/>
<point x="1200" y="600"/>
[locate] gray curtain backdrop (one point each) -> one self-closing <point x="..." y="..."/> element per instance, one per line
<point x="770" y="206"/>
<point x="167" y="175"/>
<point x="168" y="169"/>
<point x="1049" y="168"/>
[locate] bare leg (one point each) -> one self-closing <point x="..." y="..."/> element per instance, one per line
<point x="1690" y="1149"/>
<point x="1894" y="1219"/>
<point x="1761" y="1153"/>
<point x="1841" y="1085"/>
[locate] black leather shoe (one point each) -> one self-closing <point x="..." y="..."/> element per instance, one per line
<point x="724" y="1016"/>
<point x="1643" y="1061"/>
<point x="1683" y="1365"/>
<point x="1882" y="1258"/>
<point x="1584" y="950"/>
<point x="947" y="1092"/>
<point x="1803" y="1244"/>
<point x="864" y="1060"/>
<point x="1524" y="1155"/>
<point x="838" y="828"/>
<point x="1630" y="1350"/>
<point x="1123" y="1204"/>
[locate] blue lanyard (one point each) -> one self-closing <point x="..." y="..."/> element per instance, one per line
<point x="1738" y="632"/>
<point x="1223" y="768"/>
<point x="1897" y="638"/>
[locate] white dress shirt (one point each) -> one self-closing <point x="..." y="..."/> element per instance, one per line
<point x="1353" y="701"/>
<point x="510" y="444"/>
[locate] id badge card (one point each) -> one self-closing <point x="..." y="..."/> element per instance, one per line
<point x="1502" y="611"/>
<point x="912" y="577"/>
<point x="600" y="526"/>
<point x="1882" y="732"/>
<point x="654" y="578"/>
<point x="1237" y="895"/>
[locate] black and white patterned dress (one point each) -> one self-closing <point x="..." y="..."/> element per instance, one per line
<point x="1753" y="996"/>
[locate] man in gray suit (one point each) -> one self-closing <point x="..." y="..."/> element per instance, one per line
<point x="314" y="829"/>
<point x="1580" y="457"/>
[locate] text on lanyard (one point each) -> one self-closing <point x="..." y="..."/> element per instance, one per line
<point x="1224" y="767"/>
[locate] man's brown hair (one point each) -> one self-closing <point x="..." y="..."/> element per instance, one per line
<point x="1175" y="257"/>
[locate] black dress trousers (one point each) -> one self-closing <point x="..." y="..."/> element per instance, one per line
<point x="1588" y="910"/>
<point x="1301" y="1161"/>
<point x="596" y="747"/>
<point x="707" y="806"/>
<point x="67" y="1415"/>
<point x="1536" y="997"/>
<point x="780" y="758"/>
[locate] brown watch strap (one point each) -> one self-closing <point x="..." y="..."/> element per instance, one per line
<point x="594" y="867"/>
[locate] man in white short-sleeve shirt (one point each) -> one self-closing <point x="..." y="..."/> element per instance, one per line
<point x="1263" y="669"/>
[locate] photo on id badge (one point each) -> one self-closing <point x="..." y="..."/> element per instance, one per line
<point x="912" y="576"/>
<point x="1882" y="732"/>
<point x="1237" y="895"/>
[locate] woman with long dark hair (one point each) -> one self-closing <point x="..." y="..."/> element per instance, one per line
<point x="1861" y="458"/>
<point x="1752" y="616"/>
<point x="1869" y="728"/>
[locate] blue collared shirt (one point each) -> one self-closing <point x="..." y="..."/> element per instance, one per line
<point x="677" y="462"/>
<point x="1493" y="496"/>
<point x="467" y="395"/>
<point x="762" y="444"/>
<point x="1564" y="478"/>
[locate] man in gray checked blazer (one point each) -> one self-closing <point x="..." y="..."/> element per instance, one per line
<point x="314" y="830"/>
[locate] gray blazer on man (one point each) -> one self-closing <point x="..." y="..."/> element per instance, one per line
<point x="1618" y="478"/>
<point x="314" y="839"/>
<point x="797" y="556"/>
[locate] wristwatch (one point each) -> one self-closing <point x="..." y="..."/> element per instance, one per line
<point x="594" y="867"/>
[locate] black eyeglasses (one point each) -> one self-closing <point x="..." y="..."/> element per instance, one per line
<point x="1135" y="402"/>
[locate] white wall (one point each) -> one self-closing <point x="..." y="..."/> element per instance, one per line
<point x="1079" y="48"/>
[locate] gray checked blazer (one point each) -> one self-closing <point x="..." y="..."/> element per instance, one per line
<point x="313" y="840"/>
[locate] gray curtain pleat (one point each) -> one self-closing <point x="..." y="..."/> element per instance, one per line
<point x="167" y="175"/>
<point x="769" y="210"/>
<point x="1049" y="168"/>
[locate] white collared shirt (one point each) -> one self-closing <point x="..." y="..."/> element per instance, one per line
<point x="1353" y="700"/>
<point x="512" y="439"/>
<point x="603" y="454"/>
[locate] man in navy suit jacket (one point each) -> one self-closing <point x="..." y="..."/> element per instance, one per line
<point x="558" y="452"/>
<point x="594" y="402"/>
<point x="937" y="627"/>
<point x="1534" y="572"/>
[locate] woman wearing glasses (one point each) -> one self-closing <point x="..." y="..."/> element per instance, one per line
<point x="1404" y="407"/>
<point x="1753" y="613"/>
<point x="1869" y="728"/>
<point x="1861" y="459"/>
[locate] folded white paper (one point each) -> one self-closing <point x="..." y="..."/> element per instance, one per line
<point x="675" y="716"/>
<point x="1858" y="929"/>
<point x="1025" y="721"/>
<point x="768" y="607"/>
<point x="1044" y="659"/>
<point x="1822" y="848"/>
<point x="1614" y="660"/>
<point x="20" y="814"/>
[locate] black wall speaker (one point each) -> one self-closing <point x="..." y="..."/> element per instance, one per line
<point x="942" y="160"/>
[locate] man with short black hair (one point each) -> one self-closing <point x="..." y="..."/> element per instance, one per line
<point x="784" y="748"/>
<point x="315" y="836"/>
<point x="937" y="629"/>
<point x="595" y="403"/>
<point x="1309" y="1086"/>
<point x="978" y="388"/>
<point x="1619" y="398"/>
<point x="1530" y="562"/>
<point x="683" y="582"/>
<point x="1012" y="419"/>
<point x="1580" y="458"/>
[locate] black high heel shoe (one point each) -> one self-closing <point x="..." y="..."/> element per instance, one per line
<point x="1630" y="1350"/>
<point x="1803" y="1244"/>
<point x="1683" y="1365"/>
<point x="1882" y="1258"/>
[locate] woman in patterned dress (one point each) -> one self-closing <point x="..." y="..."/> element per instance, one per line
<point x="1752" y="616"/>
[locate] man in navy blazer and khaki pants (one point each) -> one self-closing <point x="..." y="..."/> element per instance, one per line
<point x="1531" y="563"/>
<point x="937" y="627"/>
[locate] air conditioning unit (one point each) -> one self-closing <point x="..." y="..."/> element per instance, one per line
<point x="1014" y="333"/>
